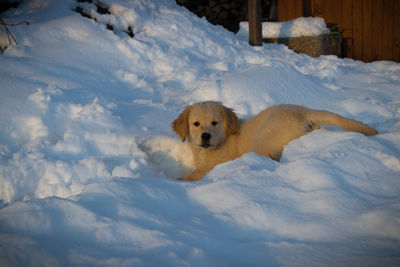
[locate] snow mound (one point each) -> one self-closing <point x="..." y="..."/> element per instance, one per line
<point x="86" y="146"/>
<point x="299" y="27"/>
<point x="270" y="85"/>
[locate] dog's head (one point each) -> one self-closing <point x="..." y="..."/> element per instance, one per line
<point x="206" y="124"/>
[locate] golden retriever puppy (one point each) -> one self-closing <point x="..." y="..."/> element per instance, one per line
<point x="216" y="135"/>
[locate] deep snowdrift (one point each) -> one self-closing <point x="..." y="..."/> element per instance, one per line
<point x="87" y="156"/>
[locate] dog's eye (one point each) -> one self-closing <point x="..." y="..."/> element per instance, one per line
<point x="197" y="124"/>
<point x="214" y="123"/>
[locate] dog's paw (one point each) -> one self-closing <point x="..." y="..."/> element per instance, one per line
<point x="171" y="156"/>
<point x="196" y="175"/>
<point x="188" y="179"/>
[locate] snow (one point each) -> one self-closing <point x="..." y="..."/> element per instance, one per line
<point x="299" y="27"/>
<point x="88" y="158"/>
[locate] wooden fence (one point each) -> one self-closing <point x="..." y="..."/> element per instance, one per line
<point x="371" y="28"/>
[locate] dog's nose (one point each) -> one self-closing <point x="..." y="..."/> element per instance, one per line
<point x="205" y="136"/>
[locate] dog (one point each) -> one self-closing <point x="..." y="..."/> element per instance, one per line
<point x="216" y="135"/>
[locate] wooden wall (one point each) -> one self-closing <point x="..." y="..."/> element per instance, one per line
<point x="371" y="28"/>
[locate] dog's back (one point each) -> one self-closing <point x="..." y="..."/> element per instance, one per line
<point x="276" y="126"/>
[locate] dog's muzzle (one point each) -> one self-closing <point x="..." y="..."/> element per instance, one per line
<point x="205" y="140"/>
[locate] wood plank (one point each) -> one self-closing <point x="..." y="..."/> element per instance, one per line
<point x="367" y="30"/>
<point x="282" y="10"/>
<point x="331" y="7"/>
<point x="328" y="11"/>
<point x="387" y="29"/>
<point x="396" y="31"/>
<point x="346" y="28"/>
<point x="357" y="29"/>
<point x="291" y="9"/>
<point x="307" y="8"/>
<point x="299" y="8"/>
<point x="337" y="12"/>
<point x="318" y="8"/>
<point x="377" y="39"/>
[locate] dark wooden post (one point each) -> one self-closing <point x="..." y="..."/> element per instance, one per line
<point x="255" y="31"/>
<point x="307" y="8"/>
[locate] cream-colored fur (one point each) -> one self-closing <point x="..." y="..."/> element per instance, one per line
<point x="216" y="135"/>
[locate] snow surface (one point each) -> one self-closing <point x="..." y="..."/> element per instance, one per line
<point x="87" y="156"/>
<point x="299" y="27"/>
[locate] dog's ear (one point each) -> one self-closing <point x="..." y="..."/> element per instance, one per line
<point x="232" y="122"/>
<point x="181" y="124"/>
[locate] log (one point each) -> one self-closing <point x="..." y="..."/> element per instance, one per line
<point x="254" y="11"/>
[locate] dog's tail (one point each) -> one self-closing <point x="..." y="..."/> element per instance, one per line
<point x="325" y="118"/>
